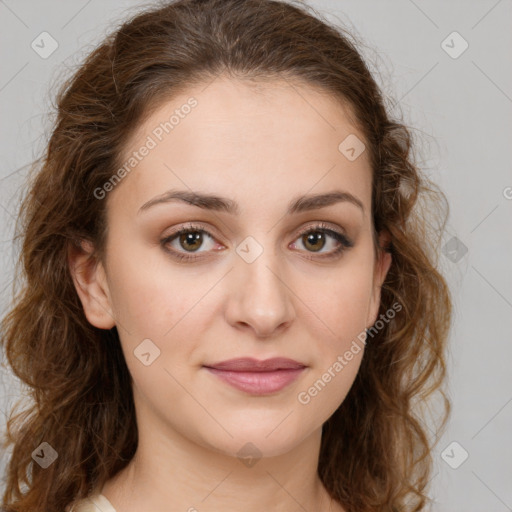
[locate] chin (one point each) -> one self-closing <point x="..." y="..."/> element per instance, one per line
<point x="253" y="440"/>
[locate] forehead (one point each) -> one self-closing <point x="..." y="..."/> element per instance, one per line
<point x="274" y="138"/>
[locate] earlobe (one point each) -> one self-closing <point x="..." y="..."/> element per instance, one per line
<point x="91" y="285"/>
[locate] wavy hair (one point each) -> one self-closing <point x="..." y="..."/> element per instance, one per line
<point x="376" y="450"/>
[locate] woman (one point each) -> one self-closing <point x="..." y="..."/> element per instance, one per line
<point x="230" y="295"/>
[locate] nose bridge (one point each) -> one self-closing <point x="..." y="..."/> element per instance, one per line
<point x="259" y="297"/>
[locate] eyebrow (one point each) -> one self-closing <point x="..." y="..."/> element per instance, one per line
<point x="223" y="204"/>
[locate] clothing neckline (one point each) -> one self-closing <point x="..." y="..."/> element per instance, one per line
<point x="102" y="502"/>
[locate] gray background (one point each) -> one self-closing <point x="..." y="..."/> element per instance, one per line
<point x="460" y="107"/>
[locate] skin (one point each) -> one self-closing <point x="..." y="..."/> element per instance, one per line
<point x="260" y="147"/>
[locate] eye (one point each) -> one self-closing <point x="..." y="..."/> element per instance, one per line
<point x="190" y="239"/>
<point x="316" y="238"/>
<point x="183" y="243"/>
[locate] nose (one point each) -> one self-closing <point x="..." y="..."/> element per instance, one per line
<point x="259" y="297"/>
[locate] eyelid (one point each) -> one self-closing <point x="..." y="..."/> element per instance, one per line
<point x="192" y="226"/>
<point x="322" y="226"/>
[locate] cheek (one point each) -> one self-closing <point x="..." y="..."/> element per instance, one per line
<point x="338" y="326"/>
<point x="140" y="305"/>
<point x="149" y="296"/>
<point x="342" y="303"/>
<point x="341" y="308"/>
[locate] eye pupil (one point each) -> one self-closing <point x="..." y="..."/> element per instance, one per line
<point x="312" y="238"/>
<point x="190" y="238"/>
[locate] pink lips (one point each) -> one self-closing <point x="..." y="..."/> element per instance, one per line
<point x="257" y="377"/>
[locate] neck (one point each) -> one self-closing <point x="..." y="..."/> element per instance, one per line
<point x="172" y="472"/>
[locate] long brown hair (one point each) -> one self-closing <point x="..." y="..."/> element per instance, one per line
<point x="375" y="451"/>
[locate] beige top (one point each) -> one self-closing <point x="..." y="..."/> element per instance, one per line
<point x="94" y="503"/>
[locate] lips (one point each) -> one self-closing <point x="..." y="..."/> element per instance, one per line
<point x="248" y="364"/>
<point x="257" y="377"/>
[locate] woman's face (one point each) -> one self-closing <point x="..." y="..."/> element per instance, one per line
<point x="244" y="281"/>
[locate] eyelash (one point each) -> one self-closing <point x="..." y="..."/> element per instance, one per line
<point x="341" y="238"/>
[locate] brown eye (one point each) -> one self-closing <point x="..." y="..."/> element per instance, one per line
<point x="188" y="240"/>
<point x="325" y="242"/>
<point x="314" y="240"/>
<point x="191" y="240"/>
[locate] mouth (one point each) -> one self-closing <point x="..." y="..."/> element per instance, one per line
<point x="257" y="377"/>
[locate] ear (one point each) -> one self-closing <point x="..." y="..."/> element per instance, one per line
<point x="381" y="267"/>
<point x="91" y="285"/>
